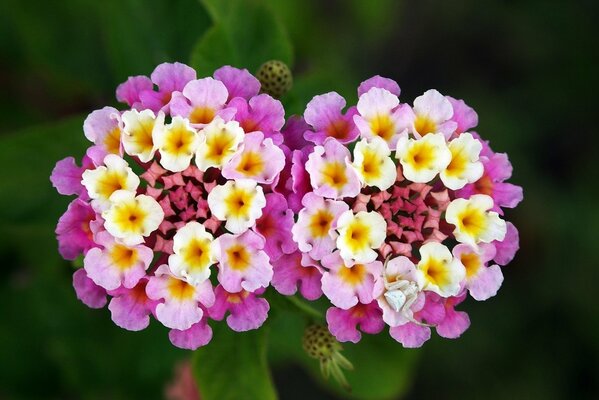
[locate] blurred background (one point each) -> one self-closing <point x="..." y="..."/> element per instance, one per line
<point x="528" y="67"/>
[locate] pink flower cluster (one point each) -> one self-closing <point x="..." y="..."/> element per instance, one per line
<point x="198" y="196"/>
<point x="180" y="184"/>
<point x="398" y="213"/>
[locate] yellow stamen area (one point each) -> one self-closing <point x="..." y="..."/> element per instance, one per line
<point x="320" y="223"/>
<point x="382" y="125"/>
<point x="179" y="289"/>
<point x="123" y="257"/>
<point x="371" y="165"/>
<point x="354" y="275"/>
<point x="472" y="221"/>
<point x="239" y="258"/>
<point x="251" y="163"/>
<point x="421" y="155"/>
<point x="141" y="136"/>
<point x="338" y="129"/>
<point x="178" y="140"/>
<point x="357" y="236"/>
<point x="435" y="271"/>
<point x="459" y="161"/>
<point x="333" y="174"/>
<point x="201" y="115"/>
<point x="112" y="141"/>
<point x="130" y="217"/>
<point x="424" y="125"/>
<point x="471" y="262"/>
<point x="238" y="202"/>
<point x="109" y="182"/>
<point x="219" y="146"/>
<point x="197" y="253"/>
<point x="236" y="298"/>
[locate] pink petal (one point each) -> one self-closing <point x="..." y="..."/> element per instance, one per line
<point x="87" y="291"/>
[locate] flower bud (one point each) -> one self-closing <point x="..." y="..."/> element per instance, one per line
<point x="275" y="78"/>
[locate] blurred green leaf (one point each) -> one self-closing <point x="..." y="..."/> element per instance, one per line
<point x="234" y="366"/>
<point x="245" y="34"/>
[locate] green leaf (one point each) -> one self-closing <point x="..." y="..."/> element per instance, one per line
<point x="245" y="34"/>
<point x="233" y="366"/>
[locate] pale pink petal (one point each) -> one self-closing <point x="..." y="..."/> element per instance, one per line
<point x="325" y="114"/>
<point x="172" y="77"/>
<point x="465" y="116"/>
<point x="410" y="335"/>
<point x="128" y="91"/>
<point x="87" y="291"/>
<point x="507" y="248"/>
<point x="239" y="82"/>
<point x="343" y="324"/>
<point x="131" y="308"/>
<point x="379" y="82"/>
<point x="73" y="230"/>
<point x="486" y="283"/>
<point x="66" y="177"/>
<point x="198" y="335"/>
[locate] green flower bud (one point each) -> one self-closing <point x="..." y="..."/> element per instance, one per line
<point x="275" y="78"/>
<point x="320" y="344"/>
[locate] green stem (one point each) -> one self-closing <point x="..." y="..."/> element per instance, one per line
<point x="305" y="308"/>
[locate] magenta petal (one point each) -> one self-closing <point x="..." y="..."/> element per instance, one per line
<point x="454" y="324"/>
<point x="463" y="115"/>
<point x="507" y="248"/>
<point x="410" y="335"/>
<point x="131" y="308"/>
<point x="87" y="291"/>
<point x="73" y="230"/>
<point x="275" y="226"/>
<point x="197" y="336"/>
<point x="293" y="133"/>
<point x="171" y="77"/>
<point x="239" y="82"/>
<point x="342" y="325"/>
<point x="66" y="177"/>
<point x="128" y="91"/>
<point x="379" y="82"/>
<point x="249" y="314"/>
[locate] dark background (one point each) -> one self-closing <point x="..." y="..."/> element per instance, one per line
<point x="529" y="68"/>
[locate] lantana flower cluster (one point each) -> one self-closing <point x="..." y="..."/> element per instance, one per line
<point x="399" y="213"/>
<point x="176" y="212"/>
<point x="199" y="195"/>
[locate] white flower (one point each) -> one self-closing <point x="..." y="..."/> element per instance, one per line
<point x="373" y="164"/>
<point x="177" y="143"/>
<point x="473" y="221"/>
<point x="359" y="234"/>
<point x="439" y="271"/>
<point x="130" y="218"/>
<point x="464" y="166"/>
<point x="238" y="202"/>
<point x="193" y="255"/>
<point x="422" y="159"/>
<point x="138" y="130"/>
<point x="103" y="181"/>
<point x="218" y="144"/>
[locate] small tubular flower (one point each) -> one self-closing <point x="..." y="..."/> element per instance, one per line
<point x="439" y="271"/>
<point x="359" y="234"/>
<point x="246" y="310"/>
<point x="102" y="128"/>
<point x="201" y="101"/>
<point x="130" y="218"/>
<point x="482" y="281"/>
<point x="422" y="159"/>
<point x="331" y="173"/>
<point x="464" y="166"/>
<point x="219" y="142"/>
<point x="432" y="114"/>
<point x="139" y="128"/>
<point x="473" y="221"/>
<point x="177" y="143"/>
<point x="324" y="114"/>
<point x="193" y="256"/>
<point x="374" y="166"/>
<point x="106" y="179"/>
<point x="238" y="202"/>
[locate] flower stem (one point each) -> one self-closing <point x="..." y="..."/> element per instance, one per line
<point x="305" y="308"/>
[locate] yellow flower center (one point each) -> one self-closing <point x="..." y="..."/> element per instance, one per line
<point x="141" y="136"/>
<point x="357" y="236"/>
<point x="238" y="202"/>
<point x="421" y="155"/>
<point x="239" y="258"/>
<point x="320" y="223"/>
<point x="435" y="271"/>
<point x="110" y="182"/>
<point x="334" y="174"/>
<point x="112" y="141"/>
<point x="338" y="129"/>
<point x="472" y="221"/>
<point x="179" y="140"/>
<point x="123" y="257"/>
<point x="130" y="217"/>
<point x="251" y="163"/>
<point x="382" y="126"/>
<point x="201" y="115"/>
<point x="179" y="289"/>
<point x="197" y="253"/>
<point x="220" y="146"/>
<point x="236" y="298"/>
<point x="354" y="275"/>
<point x="371" y="165"/>
<point x="459" y="161"/>
<point x="471" y="262"/>
<point x="424" y="125"/>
